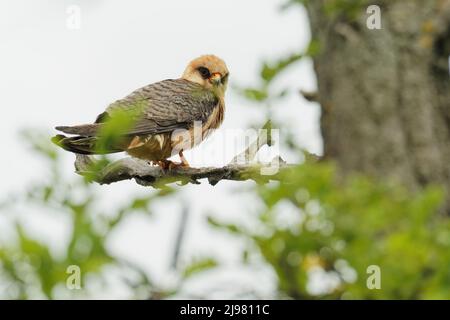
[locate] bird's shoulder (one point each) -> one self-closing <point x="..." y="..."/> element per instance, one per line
<point x="169" y="94"/>
<point x="164" y="106"/>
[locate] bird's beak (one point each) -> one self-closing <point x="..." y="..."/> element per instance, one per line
<point x="216" y="78"/>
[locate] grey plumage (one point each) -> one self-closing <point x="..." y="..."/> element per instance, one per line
<point x="145" y="124"/>
<point x="158" y="108"/>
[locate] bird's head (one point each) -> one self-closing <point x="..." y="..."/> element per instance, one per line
<point x="209" y="71"/>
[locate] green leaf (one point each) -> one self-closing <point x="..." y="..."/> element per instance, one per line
<point x="270" y="70"/>
<point x="199" y="265"/>
<point x="258" y="95"/>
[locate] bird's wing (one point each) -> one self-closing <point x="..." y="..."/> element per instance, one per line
<point x="165" y="106"/>
<point x="157" y="108"/>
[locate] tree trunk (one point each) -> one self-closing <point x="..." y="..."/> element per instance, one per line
<point x="385" y="94"/>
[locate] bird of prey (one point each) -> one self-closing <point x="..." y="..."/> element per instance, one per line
<point x="157" y="112"/>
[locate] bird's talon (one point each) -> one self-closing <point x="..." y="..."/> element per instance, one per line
<point x="176" y="165"/>
<point x="164" y="164"/>
<point x="169" y="165"/>
<point x="184" y="162"/>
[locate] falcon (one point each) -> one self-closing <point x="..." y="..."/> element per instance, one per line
<point x="156" y="113"/>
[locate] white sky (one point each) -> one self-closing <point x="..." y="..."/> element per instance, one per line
<point x="51" y="75"/>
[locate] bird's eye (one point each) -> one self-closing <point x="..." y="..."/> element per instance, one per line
<point x="204" y="72"/>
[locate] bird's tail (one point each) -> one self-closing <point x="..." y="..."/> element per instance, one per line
<point x="87" y="130"/>
<point x="82" y="145"/>
<point x="78" y="144"/>
<point x="86" y="140"/>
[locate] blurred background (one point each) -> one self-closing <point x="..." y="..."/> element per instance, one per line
<point x="372" y="101"/>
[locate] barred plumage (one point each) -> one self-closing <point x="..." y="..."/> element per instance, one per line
<point x="157" y="110"/>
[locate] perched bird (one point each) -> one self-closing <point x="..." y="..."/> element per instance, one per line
<point x="158" y="111"/>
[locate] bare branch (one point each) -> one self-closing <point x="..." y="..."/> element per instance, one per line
<point x="264" y="137"/>
<point x="179" y="239"/>
<point x="311" y="96"/>
<point x="148" y="175"/>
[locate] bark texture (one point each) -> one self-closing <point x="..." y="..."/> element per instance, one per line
<point x="240" y="168"/>
<point x="385" y="94"/>
<point x="148" y="175"/>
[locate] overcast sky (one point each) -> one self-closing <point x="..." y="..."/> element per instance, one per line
<point x="53" y="75"/>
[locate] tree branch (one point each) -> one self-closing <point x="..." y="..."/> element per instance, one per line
<point x="147" y="175"/>
<point x="311" y="96"/>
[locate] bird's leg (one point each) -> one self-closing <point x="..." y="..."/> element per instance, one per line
<point x="184" y="162"/>
<point x="166" y="164"/>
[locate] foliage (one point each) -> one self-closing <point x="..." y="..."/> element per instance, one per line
<point x="348" y="8"/>
<point x="315" y="223"/>
<point x="199" y="265"/>
<point x="320" y="232"/>
<point x="269" y="71"/>
<point x="318" y="224"/>
<point x="29" y="268"/>
<point x="266" y="97"/>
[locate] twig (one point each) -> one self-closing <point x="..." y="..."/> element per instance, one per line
<point x="264" y="137"/>
<point x="148" y="175"/>
<point x="311" y="96"/>
<point x="179" y="239"/>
